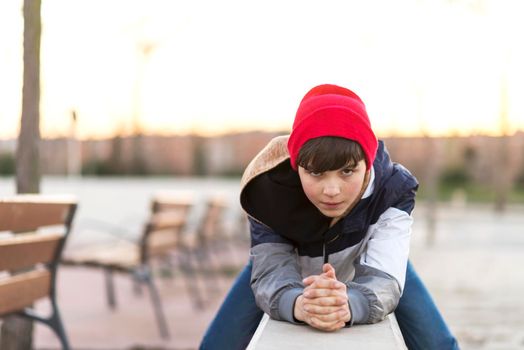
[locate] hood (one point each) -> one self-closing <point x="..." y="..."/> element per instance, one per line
<point x="272" y="194"/>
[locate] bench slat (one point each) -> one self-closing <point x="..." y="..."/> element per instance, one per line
<point x="21" y="290"/>
<point x="163" y="204"/>
<point x="28" y="216"/>
<point x="25" y="250"/>
<point x="166" y="220"/>
<point x="214" y="214"/>
<point x="122" y="256"/>
<point x="162" y="241"/>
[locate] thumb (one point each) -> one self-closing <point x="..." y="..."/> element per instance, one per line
<point x="329" y="271"/>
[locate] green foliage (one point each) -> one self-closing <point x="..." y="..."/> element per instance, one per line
<point x="232" y="173"/>
<point x="109" y="168"/>
<point x="138" y="167"/>
<point x="7" y="164"/>
<point x="455" y="177"/>
<point x="199" y="162"/>
<point x="519" y="181"/>
<point x="475" y="193"/>
<point x="98" y="168"/>
<point x="470" y="155"/>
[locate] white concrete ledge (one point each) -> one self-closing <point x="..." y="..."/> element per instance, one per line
<point x="277" y="335"/>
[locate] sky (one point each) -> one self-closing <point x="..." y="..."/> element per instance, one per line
<point x="437" y="67"/>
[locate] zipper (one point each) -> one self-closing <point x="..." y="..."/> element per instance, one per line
<point x="324" y="248"/>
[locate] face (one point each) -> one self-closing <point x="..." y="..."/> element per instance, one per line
<point x="333" y="192"/>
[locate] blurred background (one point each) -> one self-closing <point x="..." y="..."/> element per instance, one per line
<point x="143" y="97"/>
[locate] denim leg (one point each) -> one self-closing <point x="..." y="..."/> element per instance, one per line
<point x="237" y="319"/>
<point x="420" y="321"/>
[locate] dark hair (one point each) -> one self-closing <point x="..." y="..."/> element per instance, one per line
<point x="329" y="153"/>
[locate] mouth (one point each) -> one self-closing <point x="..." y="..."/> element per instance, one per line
<point x="331" y="205"/>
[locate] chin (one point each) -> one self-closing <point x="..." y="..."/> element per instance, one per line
<point x="332" y="214"/>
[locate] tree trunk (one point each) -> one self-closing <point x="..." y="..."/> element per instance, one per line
<point x="27" y="162"/>
<point x="17" y="332"/>
<point x="431" y="178"/>
<point x="502" y="177"/>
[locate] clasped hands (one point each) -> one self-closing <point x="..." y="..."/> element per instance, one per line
<point x="324" y="302"/>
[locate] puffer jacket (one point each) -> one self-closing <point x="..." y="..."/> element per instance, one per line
<point x="291" y="238"/>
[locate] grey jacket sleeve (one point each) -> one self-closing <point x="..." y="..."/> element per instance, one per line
<point x="372" y="295"/>
<point x="381" y="268"/>
<point x="275" y="279"/>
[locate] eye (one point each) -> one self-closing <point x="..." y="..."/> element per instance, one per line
<point x="314" y="173"/>
<point x="347" y="171"/>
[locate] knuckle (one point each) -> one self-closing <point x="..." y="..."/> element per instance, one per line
<point x="331" y="311"/>
<point x="325" y="318"/>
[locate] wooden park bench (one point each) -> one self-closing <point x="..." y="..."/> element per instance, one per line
<point x="278" y="335"/>
<point x="33" y="231"/>
<point x="210" y="234"/>
<point x="214" y="244"/>
<point x="160" y="237"/>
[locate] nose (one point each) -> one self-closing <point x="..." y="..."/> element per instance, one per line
<point x="331" y="189"/>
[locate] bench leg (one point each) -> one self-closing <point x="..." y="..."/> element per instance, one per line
<point x="110" y="288"/>
<point x="56" y="324"/>
<point x="191" y="277"/>
<point x="137" y="286"/>
<point x="157" y="304"/>
<point x="209" y="269"/>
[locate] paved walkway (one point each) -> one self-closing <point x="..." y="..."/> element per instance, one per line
<point x="92" y="325"/>
<point x="473" y="271"/>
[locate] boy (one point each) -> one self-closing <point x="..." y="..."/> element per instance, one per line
<point x="330" y="219"/>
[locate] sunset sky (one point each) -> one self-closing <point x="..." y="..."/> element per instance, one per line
<point x="439" y="67"/>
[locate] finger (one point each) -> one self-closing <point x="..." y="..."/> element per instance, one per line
<point x="327" y="267"/>
<point x="322" y="325"/>
<point x="341" y="312"/>
<point x="322" y="310"/>
<point x="324" y="283"/>
<point x="330" y="286"/>
<point x="326" y="326"/>
<point x="312" y="293"/>
<point x="310" y="279"/>
<point x="341" y="315"/>
<point x="328" y="272"/>
<point x="326" y="301"/>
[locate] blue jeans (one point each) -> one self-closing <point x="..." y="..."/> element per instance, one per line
<point x="421" y="324"/>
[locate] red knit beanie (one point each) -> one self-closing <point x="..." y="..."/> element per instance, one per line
<point x="330" y="110"/>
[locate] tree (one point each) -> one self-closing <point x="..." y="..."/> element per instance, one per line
<point x="503" y="178"/>
<point x="17" y="332"/>
<point x="27" y="162"/>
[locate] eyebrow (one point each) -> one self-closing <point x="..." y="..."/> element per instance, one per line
<point x="351" y="166"/>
